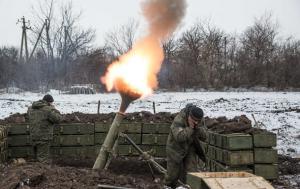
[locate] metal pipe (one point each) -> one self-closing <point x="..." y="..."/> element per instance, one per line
<point x="108" y="142"/>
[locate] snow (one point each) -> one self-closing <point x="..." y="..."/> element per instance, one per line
<point x="230" y="104"/>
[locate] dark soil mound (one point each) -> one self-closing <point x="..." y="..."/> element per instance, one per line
<point x="38" y="175"/>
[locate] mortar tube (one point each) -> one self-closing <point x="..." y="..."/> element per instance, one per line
<point x="109" y="141"/>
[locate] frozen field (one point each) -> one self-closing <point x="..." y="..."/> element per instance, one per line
<point x="277" y="111"/>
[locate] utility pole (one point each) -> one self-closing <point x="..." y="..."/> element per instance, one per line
<point x="24" y="38"/>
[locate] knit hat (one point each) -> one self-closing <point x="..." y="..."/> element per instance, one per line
<point x="196" y="113"/>
<point x="48" y="98"/>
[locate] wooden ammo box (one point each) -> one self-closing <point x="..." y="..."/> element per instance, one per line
<point x="19" y="140"/>
<point x="3" y="132"/>
<point x="3" y="156"/>
<point x="221" y="180"/>
<point x="265" y="155"/>
<point x="74" y="152"/>
<point x="124" y="127"/>
<point x="235" y="141"/>
<point x="100" y="137"/>
<point x="231" y="158"/>
<point x="73" y="140"/>
<point x="19" y="129"/>
<point x="20" y="152"/>
<point x="268" y="171"/>
<point x="74" y="128"/>
<point x="3" y="145"/>
<point x="129" y="150"/>
<point x="264" y="139"/>
<point x="154" y="139"/>
<point x="161" y="128"/>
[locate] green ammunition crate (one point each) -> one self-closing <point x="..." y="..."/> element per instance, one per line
<point x="102" y="127"/>
<point x="74" y="128"/>
<point x="264" y="140"/>
<point x="161" y="128"/>
<point x="131" y="127"/>
<point x="19" y="140"/>
<point x="137" y="139"/>
<point x="153" y="139"/>
<point x="204" y="146"/>
<point x="124" y="127"/>
<point x="268" y="171"/>
<point x="211" y="138"/>
<point x="265" y="155"/>
<point x="76" y="152"/>
<point x="234" y="158"/>
<point x="230" y="158"/>
<point x="3" y="132"/>
<point x="129" y="150"/>
<point x="100" y="137"/>
<point x="3" y="156"/>
<point x="19" y="128"/>
<point x="234" y="141"/>
<point x="219" y="167"/>
<point x="73" y="140"/>
<point x="20" y="152"/>
<point x="3" y="145"/>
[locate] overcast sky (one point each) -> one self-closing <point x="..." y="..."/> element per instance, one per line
<point x="229" y="15"/>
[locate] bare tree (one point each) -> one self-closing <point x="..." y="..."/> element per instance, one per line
<point x="120" y="40"/>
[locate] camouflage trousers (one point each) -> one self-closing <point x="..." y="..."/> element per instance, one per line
<point x="42" y="151"/>
<point x="177" y="171"/>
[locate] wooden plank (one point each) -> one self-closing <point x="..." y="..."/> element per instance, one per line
<point x="221" y="180"/>
<point x="265" y="155"/>
<point x="264" y="140"/>
<point x="236" y="183"/>
<point x="19" y="140"/>
<point x="72" y="140"/>
<point x="154" y="139"/>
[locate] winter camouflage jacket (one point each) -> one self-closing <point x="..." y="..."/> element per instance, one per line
<point x="182" y="137"/>
<point x="41" y="117"/>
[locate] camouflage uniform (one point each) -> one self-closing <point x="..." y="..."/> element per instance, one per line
<point x="41" y="117"/>
<point x="183" y="149"/>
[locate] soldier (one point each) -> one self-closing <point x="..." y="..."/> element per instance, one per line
<point x="41" y="116"/>
<point x="183" y="147"/>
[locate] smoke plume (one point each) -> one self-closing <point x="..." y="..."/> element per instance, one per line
<point x="163" y="16"/>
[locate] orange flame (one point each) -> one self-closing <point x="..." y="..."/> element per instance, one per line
<point x="135" y="72"/>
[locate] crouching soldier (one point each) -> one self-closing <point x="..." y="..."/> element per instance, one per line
<point x="183" y="146"/>
<point x="42" y="116"/>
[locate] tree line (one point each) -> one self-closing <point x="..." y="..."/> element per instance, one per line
<point x="202" y="56"/>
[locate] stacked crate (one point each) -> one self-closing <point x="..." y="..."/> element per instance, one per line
<point x="73" y="140"/>
<point x="3" y="144"/>
<point x="133" y="130"/>
<point x="19" y="141"/>
<point x="265" y="156"/>
<point x="154" y="138"/>
<point x="242" y="152"/>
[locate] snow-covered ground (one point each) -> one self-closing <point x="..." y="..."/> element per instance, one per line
<point x="264" y="106"/>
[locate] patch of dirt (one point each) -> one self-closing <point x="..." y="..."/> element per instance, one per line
<point x="287" y="110"/>
<point x="37" y="175"/>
